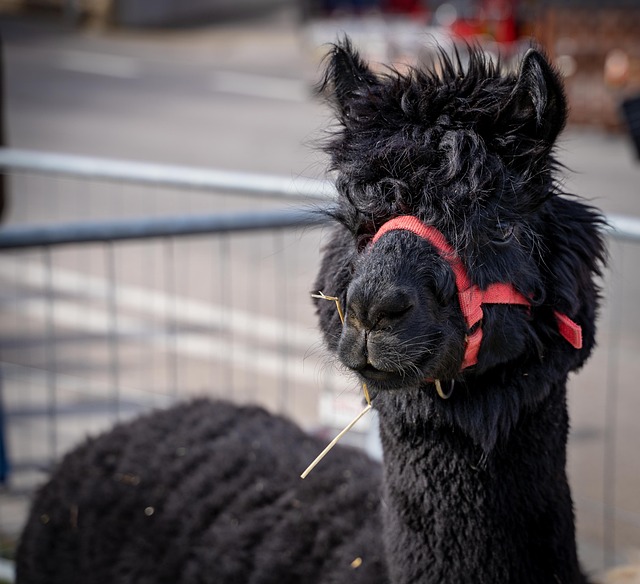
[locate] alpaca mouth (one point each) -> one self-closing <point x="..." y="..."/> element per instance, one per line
<point x="370" y="373"/>
<point x="422" y="370"/>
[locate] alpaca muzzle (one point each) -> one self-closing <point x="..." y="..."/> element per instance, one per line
<point x="470" y="295"/>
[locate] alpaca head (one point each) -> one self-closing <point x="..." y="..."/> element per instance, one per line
<point x="466" y="150"/>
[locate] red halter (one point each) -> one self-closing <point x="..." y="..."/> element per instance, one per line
<point x="470" y="296"/>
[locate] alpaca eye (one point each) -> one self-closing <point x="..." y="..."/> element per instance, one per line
<point x="362" y="240"/>
<point x="504" y="233"/>
<point x="396" y="313"/>
<point x="389" y="316"/>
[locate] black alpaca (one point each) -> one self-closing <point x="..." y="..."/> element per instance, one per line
<point x="465" y="273"/>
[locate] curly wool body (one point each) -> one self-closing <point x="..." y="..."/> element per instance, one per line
<point x="205" y="492"/>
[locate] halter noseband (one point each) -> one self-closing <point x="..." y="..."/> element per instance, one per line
<point x="471" y="296"/>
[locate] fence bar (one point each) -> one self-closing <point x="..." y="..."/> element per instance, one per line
<point x="624" y="227"/>
<point x="174" y="176"/>
<point x="619" y="227"/>
<point x="164" y="175"/>
<point x="14" y="237"/>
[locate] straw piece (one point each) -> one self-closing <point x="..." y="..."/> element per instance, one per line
<point x="334" y="442"/>
<point x="335" y="299"/>
<point x="322" y="296"/>
<point x="365" y="389"/>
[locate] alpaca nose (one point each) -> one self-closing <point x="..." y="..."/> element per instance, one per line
<point x="371" y="314"/>
<point x="374" y="307"/>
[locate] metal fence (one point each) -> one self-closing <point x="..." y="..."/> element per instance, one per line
<point x="127" y="286"/>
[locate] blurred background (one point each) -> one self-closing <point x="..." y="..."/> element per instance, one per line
<point x="159" y="164"/>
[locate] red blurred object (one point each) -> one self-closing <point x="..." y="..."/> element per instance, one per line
<point x="404" y="7"/>
<point x="494" y="18"/>
<point x="467" y="28"/>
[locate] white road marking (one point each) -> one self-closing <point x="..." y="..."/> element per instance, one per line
<point x="260" y="86"/>
<point x="251" y="85"/>
<point x="98" y="64"/>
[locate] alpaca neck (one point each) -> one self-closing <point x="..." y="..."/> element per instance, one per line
<point x="455" y="514"/>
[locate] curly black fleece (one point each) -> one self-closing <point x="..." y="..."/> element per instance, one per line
<point x="473" y="489"/>
<point x="205" y="492"/>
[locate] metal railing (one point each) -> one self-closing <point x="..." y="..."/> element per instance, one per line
<point x="105" y="317"/>
<point x="208" y="180"/>
<point x="164" y="175"/>
<point x="173" y="226"/>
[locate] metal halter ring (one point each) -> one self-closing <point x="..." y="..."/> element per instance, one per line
<point x="439" y="389"/>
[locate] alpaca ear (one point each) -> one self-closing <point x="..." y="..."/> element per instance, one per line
<point x="537" y="106"/>
<point x="346" y="74"/>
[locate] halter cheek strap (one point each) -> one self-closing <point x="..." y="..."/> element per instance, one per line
<point x="470" y="296"/>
